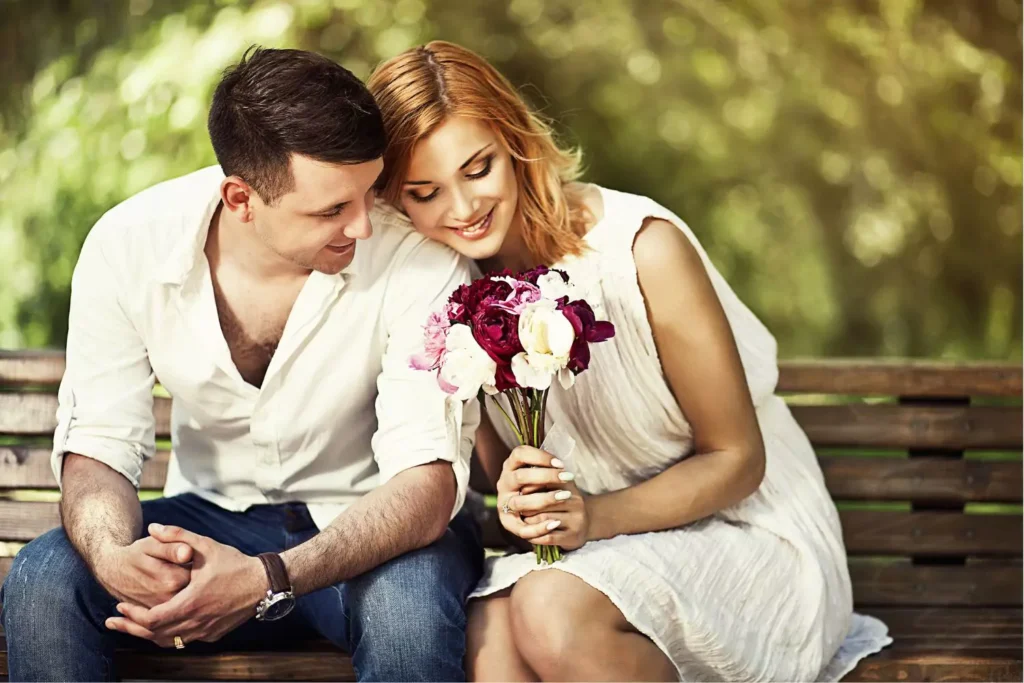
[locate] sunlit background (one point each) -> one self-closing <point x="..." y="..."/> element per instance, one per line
<point x="852" y="166"/>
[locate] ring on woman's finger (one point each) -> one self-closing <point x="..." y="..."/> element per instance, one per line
<point x="505" y="507"/>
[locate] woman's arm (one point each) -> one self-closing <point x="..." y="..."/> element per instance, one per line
<point x="702" y="366"/>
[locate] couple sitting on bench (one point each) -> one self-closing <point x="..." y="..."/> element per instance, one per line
<point x="318" y="482"/>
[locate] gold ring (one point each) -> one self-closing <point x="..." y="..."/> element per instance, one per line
<point x="179" y="643"/>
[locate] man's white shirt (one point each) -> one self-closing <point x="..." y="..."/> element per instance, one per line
<point x="339" y="412"/>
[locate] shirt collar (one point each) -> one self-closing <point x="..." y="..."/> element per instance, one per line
<point x="196" y="219"/>
<point x="197" y="207"/>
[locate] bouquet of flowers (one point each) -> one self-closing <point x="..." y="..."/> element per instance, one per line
<point x="511" y="335"/>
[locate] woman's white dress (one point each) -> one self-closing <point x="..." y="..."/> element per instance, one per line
<point x="757" y="592"/>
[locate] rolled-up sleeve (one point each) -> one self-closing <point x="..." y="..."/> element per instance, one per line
<point x="105" y="401"/>
<point x="417" y="423"/>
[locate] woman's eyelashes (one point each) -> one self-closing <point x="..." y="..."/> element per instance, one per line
<point x="484" y="171"/>
<point x="421" y="199"/>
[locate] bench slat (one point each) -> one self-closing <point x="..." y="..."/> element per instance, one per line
<point x="897" y="377"/>
<point x="24" y="520"/>
<point x="325" y="665"/>
<point x="34" y="367"/>
<point x="335" y="666"/>
<point x="28" y="467"/>
<point x="848" y="477"/>
<point x="933" y="644"/>
<point x="866" y="532"/>
<point x="869" y="532"/>
<point x="919" y="427"/>
<point x="35" y="414"/>
<point x="922" y="479"/>
<point x="900" y="378"/>
<point x="950" y="665"/>
<point x="951" y="622"/>
<point x="867" y="426"/>
<point x="906" y="584"/>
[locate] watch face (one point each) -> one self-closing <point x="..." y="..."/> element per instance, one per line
<point x="278" y="606"/>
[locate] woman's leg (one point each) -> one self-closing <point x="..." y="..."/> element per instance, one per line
<point x="491" y="653"/>
<point x="567" y="630"/>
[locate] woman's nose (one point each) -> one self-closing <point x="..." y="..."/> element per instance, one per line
<point x="462" y="206"/>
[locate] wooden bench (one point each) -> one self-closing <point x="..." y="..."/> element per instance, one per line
<point x="923" y="459"/>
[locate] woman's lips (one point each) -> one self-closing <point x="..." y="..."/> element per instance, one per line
<point x="479" y="229"/>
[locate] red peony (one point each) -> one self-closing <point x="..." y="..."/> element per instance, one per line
<point x="496" y="330"/>
<point x="588" y="329"/>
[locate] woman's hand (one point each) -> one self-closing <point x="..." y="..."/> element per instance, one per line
<point x="544" y="506"/>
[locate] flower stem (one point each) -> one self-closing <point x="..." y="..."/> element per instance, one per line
<point x="511" y="424"/>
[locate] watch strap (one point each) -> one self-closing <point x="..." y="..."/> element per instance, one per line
<point x="276" y="573"/>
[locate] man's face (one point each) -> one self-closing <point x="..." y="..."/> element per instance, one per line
<point x="317" y="223"/>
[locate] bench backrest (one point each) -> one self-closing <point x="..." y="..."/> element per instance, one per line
<point x="923" y="459"/>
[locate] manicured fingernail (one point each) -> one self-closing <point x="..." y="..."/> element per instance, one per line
<point x="566" y="476"/>
<point x="563" y="495"/>
<point x="119" y="608"/>
<point x="156" y="527"/>
<point x="555" y="462"/>
<point x="182" y="554"/>
<point x="109" y="623"/>
<point x="554" y="525"/>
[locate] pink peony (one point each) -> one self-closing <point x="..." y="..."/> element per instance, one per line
<point x="522" y="293"/>
<point x="434" y="335"/>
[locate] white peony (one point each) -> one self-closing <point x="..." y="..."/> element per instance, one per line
<point x="466" y="366"/>
<point x="553" y="287"/>
<point x="547" y="338"/>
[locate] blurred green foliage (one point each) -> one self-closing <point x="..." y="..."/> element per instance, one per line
<point x="853" y="167"/>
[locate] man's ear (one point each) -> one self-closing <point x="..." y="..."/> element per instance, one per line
<point x="238" y="196"/>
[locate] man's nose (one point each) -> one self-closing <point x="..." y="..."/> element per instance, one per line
<point x="360" y="228"/>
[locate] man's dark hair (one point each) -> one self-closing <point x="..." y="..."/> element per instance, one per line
<point x="275" y="103"/>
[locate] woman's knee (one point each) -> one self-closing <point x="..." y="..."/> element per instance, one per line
<point x="545" y="620"/>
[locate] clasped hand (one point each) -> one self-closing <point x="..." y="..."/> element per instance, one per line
<point x="545" y="507"/>
<point x="160" y="597"/>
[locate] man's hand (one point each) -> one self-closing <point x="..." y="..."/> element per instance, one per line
<point x="225" y="587"/>
<point x="148" y="572"/>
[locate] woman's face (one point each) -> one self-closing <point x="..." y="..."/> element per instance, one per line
<point x="461" y="189"/>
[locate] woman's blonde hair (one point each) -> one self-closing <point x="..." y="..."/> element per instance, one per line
<point x="421" y="88"/>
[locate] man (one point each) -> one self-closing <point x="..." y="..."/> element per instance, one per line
<point x="316" y="478"/>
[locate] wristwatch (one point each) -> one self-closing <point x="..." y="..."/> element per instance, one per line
<point x="280" y="598"/>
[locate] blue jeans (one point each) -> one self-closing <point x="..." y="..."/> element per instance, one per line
<point x="403" y="621"/>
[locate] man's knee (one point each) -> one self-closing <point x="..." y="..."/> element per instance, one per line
<point x="47" y="580"/>
<point x="408" y="618"/>
<point x="414" y="588"/>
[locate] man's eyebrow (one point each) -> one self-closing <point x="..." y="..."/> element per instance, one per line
<point x="461" y="168"/>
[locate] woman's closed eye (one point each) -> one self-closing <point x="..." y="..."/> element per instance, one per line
<point x="423" y="199"/>
<point x="484" y="169"/>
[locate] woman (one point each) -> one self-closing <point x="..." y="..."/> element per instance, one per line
<point x="703" y="543"/>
